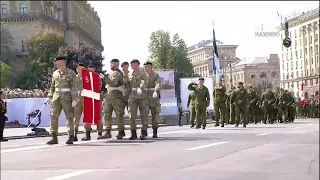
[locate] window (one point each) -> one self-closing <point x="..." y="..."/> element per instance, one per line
<point x="263" y="75"/>
<point x="24" y="46"/>
<point x="252" y="75"/>
<point x="310" y="40"/>
<point x="295" y="44"/>
<point x="297" y="74"/>
<point x="282" y="66"/>
<point x="291" y="65"/>
<point x="283" y="76"/>
<point x="296" y="64"/>
<point x="300" y="53"/>
<point x="306" y="61"/>
<point x="274" y="74"/>
<point x="295" y="33"/>
<point x="23" y="9"/>
<point x="296" y="54"/>
<point x="4" y="9"/>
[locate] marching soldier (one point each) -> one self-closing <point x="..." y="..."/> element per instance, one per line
<point x="241" y="105"/>
<point x="180" y="113"/>
<point x="282" y="102"/>
<point x="202" y="101"/>
<point x="192" y="108"/>
<point x="87" y="127"/>
<point x="291" y="107"/>
<point x="3" y="118"/>
<point x="266" y="103"/>
<point x="78" y="109"/>
<point x="63" y="94"/>
<point x="153" y="93"/>
<point x="137" y="80"/>
<point x="114" y="100"/>
<point x="219" y="99"/>
<point x="298" y="106"/>
<point x="252" y="106"/>
<point x="227" y="114"/>
<point x="125" y="69"/>
<point x="232" y="105"/>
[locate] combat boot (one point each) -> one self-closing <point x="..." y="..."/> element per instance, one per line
<point x="237" y="125"/>
<point x="216" y="125"/>
<point x="70" y="140"/>
<point x="155" y="133"/>
<point x="121" y="134"/>
<point x="100" y="135"/>
<point x="75" y="136"/>
<point x="87" y="137"/>
<point x="107" y="135"/>
<point x="133" y="135"/>
<point x="192" y="126"/>
<point x="54" y="139"/>
<point x="244" y="125"/>
<point x="203" y="127"/>
<point x="222" y="125"/>
<point x="143" y="135"/>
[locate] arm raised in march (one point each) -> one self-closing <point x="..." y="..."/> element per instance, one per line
<point x="113" y="79"/>
<point x="144" y="80"/>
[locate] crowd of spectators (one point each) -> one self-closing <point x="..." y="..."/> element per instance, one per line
<point x="19" y="93"/>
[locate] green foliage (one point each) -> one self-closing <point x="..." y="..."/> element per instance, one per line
<point x="6" y="74"/>
<point x="43" y="48"/>
<point x="84" y="55"/>
<point x="6" y="42"/>
<point x="167" y="54"/>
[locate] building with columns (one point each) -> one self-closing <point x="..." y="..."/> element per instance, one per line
<point x="77" y="21"/>
<point x="300" y="62"/>
<point x="259" y="72"/>
<point x="201" y="54"/>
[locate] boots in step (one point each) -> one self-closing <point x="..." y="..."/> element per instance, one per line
<point x="107" y="135"/>
<point x="100" y="135"/>
<point x="121" y="134"/>
<point x="75" y="136"/>
<point x="133" y="135"/>
<point x="155" y="133"/>
<point x="54" y="139"/>
<point x="87" y="137"/>
<point x="70" y="140"/>
<point x="143" y="135"/>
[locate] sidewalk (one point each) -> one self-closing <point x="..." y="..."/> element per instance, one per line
<point x="21" y="133"/>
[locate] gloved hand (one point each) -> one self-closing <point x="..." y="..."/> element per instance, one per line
<point x="74" y="103"/>
<point x="101" y="75"/>
<point x="155" y="95"/>
<point x="48" y="101"/>
<point x="139" y="91"/>
<point x="283" y="102"/>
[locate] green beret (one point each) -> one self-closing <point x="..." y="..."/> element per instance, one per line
<point x="240" y="83"/>
<point x="91" y="66"/>
<point x="114" y="60"/>
<point x="60" y="58"/>
<point x="201" y="78"/>
<point x="147" y="63"/>
<point x="135" y="61"/>
<point x="124" y="63"/>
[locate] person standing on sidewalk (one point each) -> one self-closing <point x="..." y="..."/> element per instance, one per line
<point x="63" y="94"/>
<point x="3" y="118"/>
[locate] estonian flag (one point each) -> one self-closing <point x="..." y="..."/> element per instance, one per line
<point x="215" y="64"/>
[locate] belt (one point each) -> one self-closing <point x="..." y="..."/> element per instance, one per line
<point x="134" y="89"/>
<point x="115" y="88"/>
<point x="62" y="90"/>
<point x="150" y="89"/>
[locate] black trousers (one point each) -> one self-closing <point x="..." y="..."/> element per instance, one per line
<point x="2" y="123"/>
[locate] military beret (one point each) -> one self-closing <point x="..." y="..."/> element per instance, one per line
<point x="91" y="66"/>
<point x="60" y="58"/>
<point x="201" y="78"/>
<point x="240" y="83"/>
<point x="250" y="86"/>
<point x="114" y="60"/>
<point x="81" y="65"/>
<point x="147" y="63"/>
<point x="135" y="61"/>
<point x="124" y="63"/>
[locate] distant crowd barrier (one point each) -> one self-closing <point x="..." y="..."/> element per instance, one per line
<point x="19" y="108"/>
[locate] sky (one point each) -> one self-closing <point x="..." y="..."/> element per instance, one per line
<point x="126" y="26"/>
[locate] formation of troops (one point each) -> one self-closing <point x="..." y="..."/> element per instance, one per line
<point x="241" y="105"/>
<point x="133" y="90"/>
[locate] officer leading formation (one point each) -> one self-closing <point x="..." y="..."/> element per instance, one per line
<point x="241" y="105"/>
<point x="125" y="89"/>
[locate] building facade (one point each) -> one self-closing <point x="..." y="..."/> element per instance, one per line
<point x="201" y="54"/>
<point x="300" y="62"/>
<point x="260" y="72"/>
<point x="77" y="21"/>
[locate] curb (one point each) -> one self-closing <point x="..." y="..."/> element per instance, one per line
<point x="65" y="133"/>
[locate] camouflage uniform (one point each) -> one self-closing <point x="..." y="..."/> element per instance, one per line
<point x="298" y="107"/>
<point x="241" y="106"/>
<point x="227" y="114"/>
<point x="252" y="111"/>
<point x="63" y="91"/>
<point x="137" y="80"/>
<point x="78" y="109"/>
<point x="291" y="107"/>
<point x="153" y="85"/>
<point x="192" y="108"/>
<point x="219" y="97"/>
<point x="232" y="105"/>
<point x="282" y="105"/>
<point x="114" y="102"/>
<point x="267" y="104"/>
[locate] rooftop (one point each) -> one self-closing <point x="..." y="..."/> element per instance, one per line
<point x="203" y="43"/>
<point x="255" y="61"/>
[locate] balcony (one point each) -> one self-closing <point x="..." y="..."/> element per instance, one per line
<point x="86" y="35"/>
<point x="33" y="15"/>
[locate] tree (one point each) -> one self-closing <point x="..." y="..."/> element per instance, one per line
<point x="6" y="43"/>
<point x="167" y="54"/>
<point x="84" y="55"/>
<point x="5" y="75"/>
<point x="42" y="48"/>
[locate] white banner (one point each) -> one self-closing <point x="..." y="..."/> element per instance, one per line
<point x="184" y="92"/>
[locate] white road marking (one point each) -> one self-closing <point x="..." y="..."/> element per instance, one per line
<point x="69" y="175"/>
<point x="263" y="134"/>
<point x="297" y="128"/>
<point x="45" y="146"/>
<point x="206" y="146"/>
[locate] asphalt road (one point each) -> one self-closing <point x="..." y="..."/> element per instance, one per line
<point x="258" y="152"/>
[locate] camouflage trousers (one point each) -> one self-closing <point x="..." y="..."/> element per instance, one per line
<point x="78" y="109"/>
<point x="62" y="103"/>
<point x="201" y="115"/>
<point x="133" y="105"/>
<point x="220" y="112"/>
<point x="155" y="109"/>
<point x="117" y="105"/>
<point x="192" y="115"/>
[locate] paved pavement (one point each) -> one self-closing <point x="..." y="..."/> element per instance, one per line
<point x="264" y="152"/>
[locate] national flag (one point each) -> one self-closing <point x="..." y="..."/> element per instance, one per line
<point x="303" y="100"/>
<point x="91" y="97"/>
<point x="216" y="64"/>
